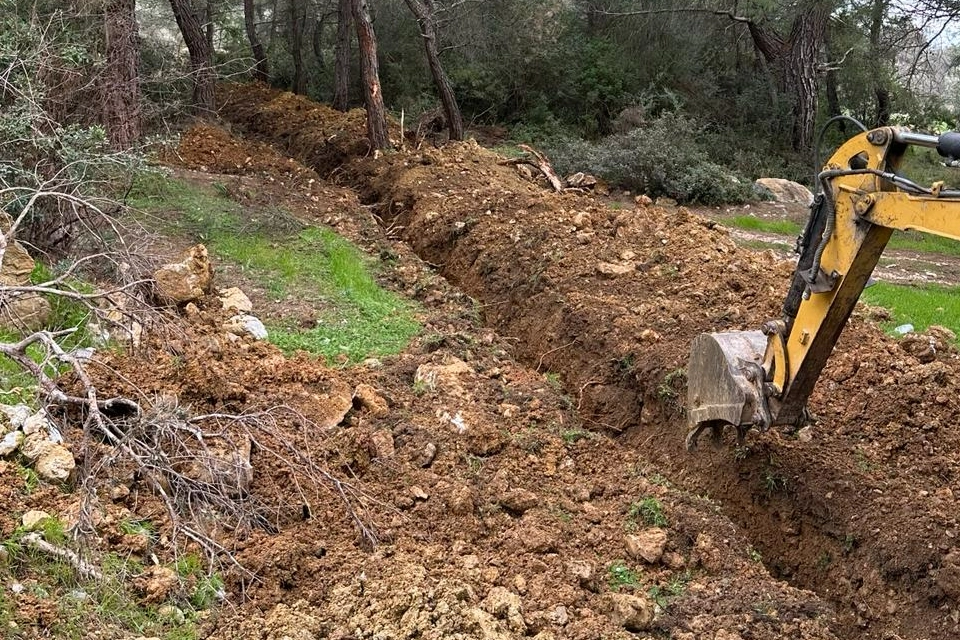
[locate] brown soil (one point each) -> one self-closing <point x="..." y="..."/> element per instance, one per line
<point x="488" y="499"/>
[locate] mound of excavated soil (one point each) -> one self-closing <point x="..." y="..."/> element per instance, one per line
<point x="862" y="510"/>
<point x="213" y="150"/>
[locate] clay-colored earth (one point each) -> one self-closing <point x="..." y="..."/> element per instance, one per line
<point x="495" y="480"/>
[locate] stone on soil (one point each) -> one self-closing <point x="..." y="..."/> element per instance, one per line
<point x="633" y="613"/>
<point x="647" y="545"/>
<point x="156" y="584"/>
<point x="55" y="464"/>
<point x="445" y="377"/>
<point x="234" y="299"/>
<point x="612" y="270"/>
<point x="506" y="605"/>
<point x="10" y="442"/>
<point x="370" y="399"/>
<point x="246" y="325"/>
<point x="381" y="444"/>
<point x="187" y="280"/>
<point x="32" y="519"/>
<point x="519" y="500"/>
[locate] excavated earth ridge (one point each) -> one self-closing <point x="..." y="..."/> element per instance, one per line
<point x="860" y="510"/>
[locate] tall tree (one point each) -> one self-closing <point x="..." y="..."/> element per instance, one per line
<point x="188" y="14"/>
<point x="426" y="13"/>
<point x="298" y="25"/>
<point x="341" y="53"/>
<point x="795" y="56"/>
<point x="370" y="71"/>
<point x="261" y="71"/>
<point x="120" y="91"/>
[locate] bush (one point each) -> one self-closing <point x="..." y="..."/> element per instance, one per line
<point x="665" y="158"/>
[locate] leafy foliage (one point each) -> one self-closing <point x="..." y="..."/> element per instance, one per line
<point x="661" y="159"/>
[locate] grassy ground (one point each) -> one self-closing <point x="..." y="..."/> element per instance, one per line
<point x="357" y="319"/>
<point x="919" y="306"/>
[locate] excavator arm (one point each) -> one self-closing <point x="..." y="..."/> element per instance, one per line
<point x="758" y="379"/>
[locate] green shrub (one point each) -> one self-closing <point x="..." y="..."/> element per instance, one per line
<point x="665" y="158"/>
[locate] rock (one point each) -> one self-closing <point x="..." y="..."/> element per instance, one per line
<point x="519" y="501"/>
<point x="241" y="325"/>
<point x="643" y="200"/>
<point x="427" y="455"/>
<point x="156" y="584"/>
<point x="26" y="312"/>
<point x="647" y="545"/>
<point x="786" y="190"/>
<point x="920" y="346"/>
<point x="592" y="513"/>
<point x="583" y="572"/>
<point x="633" y="613"/>
<point x="187" y="280"/>
<point x="370" y="399"/>
<point x="506" y="605"/>
<point x="233" y="299"/>
<point x="17" y="265"/>
<point x="581" y="220"/>
<point x="381" y="444"/>
<point x="37" y="423"/>
<point x="559" y="615"/>
<point x="805" y="434"/>
<point x="442" y="376"/>
<point x="674" y="560"/>
<point x="10" y="442"/>
<point x="612" y="270"/>
<point x="462" y="500"/>
<point x="15" y="415"/>
<point x="55" y="464"/>
<point x="581" y="180"/>
<point x="169" y="614"/>
<point x="119" y="492"/>
<point x="418" y="493"/>
<point x="34" y="445"/>
<point x="31" y="519"/>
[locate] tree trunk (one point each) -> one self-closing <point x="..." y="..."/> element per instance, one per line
<point x="369" y="69"/>
<point x="878" y="13"/>
<point x="298" y="19"/>
<point x="425" y="13"/>
<point x="833" y="95"/>
<point x="341" y="54"/>
<point x="318" y="42"/>
<point x="795" y="58"/>
<point x="201" y="57"/>
<point x="120" y="92"/>
<point x="261" y="71"/>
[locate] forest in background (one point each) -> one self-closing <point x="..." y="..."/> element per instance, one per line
<point x="690" y="99"/>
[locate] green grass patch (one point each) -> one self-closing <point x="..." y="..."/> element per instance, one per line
<point x="357" y="318"/>
<point x="919" y="306"/>
<point x="109" y="603"/>
<point x="923" y="243"/>
<point x="751" y="223"/>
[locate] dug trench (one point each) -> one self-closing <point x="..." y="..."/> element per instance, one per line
<point x="861" y="509"/>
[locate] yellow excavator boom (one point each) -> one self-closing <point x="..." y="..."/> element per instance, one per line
<point x="757" y="379"/>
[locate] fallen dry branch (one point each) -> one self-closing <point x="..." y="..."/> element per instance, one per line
<point x="539" y="162"/>
<point x="85" y="569"/>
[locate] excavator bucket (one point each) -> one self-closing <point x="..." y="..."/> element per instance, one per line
<point x="724" y="377"/>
